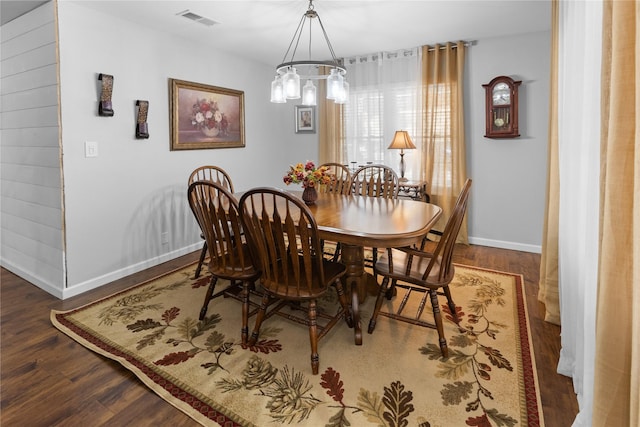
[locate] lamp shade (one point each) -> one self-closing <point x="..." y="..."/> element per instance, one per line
<point x="402" y="141"/>
<point x="309" y="93"/>
<point x="343" y="98"/>
<point x="277" y="91"/>
<point x="291" y="83"/>
<point x="334" y="84"/>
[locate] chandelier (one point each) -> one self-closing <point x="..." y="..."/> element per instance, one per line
<point x="286" y="84"/>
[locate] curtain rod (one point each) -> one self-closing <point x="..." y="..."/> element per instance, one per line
<point x="453" y="46"/>
<point x="394" y="54"/>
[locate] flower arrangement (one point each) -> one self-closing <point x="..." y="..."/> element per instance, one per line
<point x="308" y="175"/>
<point x="206" y="114"/>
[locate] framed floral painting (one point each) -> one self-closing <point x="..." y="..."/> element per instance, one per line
<point x="305" y="119"/>
<point x="204" y="116"/>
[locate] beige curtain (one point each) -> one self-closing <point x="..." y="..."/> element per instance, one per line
<point x="548" y="286"/>
<point x="617" y="361"/>
<point x="443" y="152"/>
<point x="331" y="145"/>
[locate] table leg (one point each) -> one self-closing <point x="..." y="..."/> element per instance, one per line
<point x="353" y="258"/>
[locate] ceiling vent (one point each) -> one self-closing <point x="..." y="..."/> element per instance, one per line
<point x="197" y="18"/>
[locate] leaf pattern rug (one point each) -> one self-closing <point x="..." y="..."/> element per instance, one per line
<point x="396" y="378"/>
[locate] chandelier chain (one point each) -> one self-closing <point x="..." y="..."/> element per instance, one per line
<point x="286" y="84"/>
<point x="294" y="39"/>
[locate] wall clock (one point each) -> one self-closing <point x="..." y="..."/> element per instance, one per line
<point x="501" y="96"/>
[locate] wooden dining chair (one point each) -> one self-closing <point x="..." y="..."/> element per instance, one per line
<point x="283" y="236"/>
<point x="375" y="181"/>
<point x="213" y="174"/>
<point x="340" y="184"/>
<point x="340" y="181"/>
<point x="425" y="273"/>
<point x="216" y="211"/>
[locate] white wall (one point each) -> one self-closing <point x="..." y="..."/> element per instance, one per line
<point x="506" y="206"/>
<point x="119" y="203"/>
<point x="32" y="227"/>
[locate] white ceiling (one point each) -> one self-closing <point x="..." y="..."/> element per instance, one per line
<point x="11" y="9"/>
<point x="263" y="29"/>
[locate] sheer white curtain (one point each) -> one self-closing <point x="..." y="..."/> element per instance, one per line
<point x="384" y="97"/>
<point x="579" y="71"/>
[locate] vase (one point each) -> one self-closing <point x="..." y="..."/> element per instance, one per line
<point x="309" y="195"/>
<point x="210" y="132"/>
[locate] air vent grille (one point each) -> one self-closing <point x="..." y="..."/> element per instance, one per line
<point x="197" y="18"/>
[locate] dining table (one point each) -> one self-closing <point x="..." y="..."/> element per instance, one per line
<point x="361" y="221"/>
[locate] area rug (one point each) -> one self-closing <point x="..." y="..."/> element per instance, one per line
<point x="396" y="378"/>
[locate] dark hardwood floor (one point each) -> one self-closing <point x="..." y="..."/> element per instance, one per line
<point x="47" y="379"/>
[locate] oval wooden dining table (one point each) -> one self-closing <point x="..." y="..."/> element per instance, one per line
<point x="358" y="222"/>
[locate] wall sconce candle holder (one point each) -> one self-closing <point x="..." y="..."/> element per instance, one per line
<point x="142" y="130"/>
<point x="105" y="108"/>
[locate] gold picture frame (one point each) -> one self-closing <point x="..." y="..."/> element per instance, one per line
<point x="204" y="116"/>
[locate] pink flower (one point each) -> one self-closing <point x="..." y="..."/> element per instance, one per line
<point x="307" y="175"/>
<point x="205" y="113"/>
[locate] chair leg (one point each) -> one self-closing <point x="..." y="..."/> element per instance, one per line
<point x="336" y="254"/>
<point x="313" y="337"/>
<point x="259" y="318"/>
<point x="376" y="310"/>
<point x="375" y="259"/>
<point x="450" y="303"/>
<point x="390" y="293"/>
<point x="203" y="255"/>
<point x="344" y="303"/>
<point x="207" y="298"/>
<point x="244" y="333"/>
<point x="438" y="321"/>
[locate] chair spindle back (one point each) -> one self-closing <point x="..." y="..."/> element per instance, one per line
<point x="283" y="236"/>
<point x="341" y="181"/>
<point x="376" y="181"/>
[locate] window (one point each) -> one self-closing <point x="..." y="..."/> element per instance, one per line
<point x="440" y="111"/>
<point x="373" y="114"/>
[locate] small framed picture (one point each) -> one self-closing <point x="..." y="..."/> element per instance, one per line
<point x="305" y="119"/>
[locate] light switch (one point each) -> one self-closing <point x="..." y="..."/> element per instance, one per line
<point x="90" y="149"/>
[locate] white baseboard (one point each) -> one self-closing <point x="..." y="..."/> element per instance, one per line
<point x="505" y="245"/>
<point x="41" y="283"/>
<point x="96" y="282"/>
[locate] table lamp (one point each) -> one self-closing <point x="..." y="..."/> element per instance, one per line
<point x="402" y="141"/>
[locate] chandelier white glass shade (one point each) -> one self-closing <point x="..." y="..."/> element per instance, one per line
<point x="277" y="91"/>
<point x="309" y="93"/>
<point x="286" y="84"/>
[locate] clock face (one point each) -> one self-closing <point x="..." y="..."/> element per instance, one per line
<point x="501" y="94"/>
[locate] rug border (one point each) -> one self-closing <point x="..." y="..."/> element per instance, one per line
<point x="140" y="370"/>
<point x="167" y="389"/>
<point x="535" y="415"/>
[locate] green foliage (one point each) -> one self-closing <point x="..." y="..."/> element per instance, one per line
<point x="371" y="405"/>
<point x="338" y="420"/>
<point x="500" y="419"/>
<point x="455" y="393"/>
